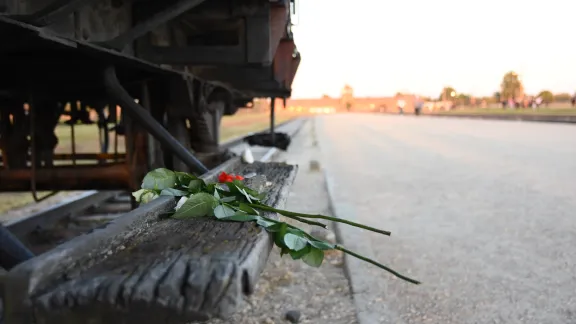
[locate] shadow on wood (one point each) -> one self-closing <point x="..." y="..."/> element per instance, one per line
<point x="139" y="269"/>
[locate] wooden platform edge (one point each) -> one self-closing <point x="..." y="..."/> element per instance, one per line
<point x="29" y="282"/>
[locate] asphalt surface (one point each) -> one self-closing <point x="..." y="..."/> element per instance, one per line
<point x="482" y="212"/>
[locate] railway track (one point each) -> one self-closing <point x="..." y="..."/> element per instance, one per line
<point x="76" y="215"/>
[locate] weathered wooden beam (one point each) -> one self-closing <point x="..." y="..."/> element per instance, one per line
<point x="139" y="269"/>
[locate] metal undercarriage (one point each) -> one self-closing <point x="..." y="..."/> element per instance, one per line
<point x="173" y="67"/>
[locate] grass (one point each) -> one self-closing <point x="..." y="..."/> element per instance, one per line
<point x="496" y="111"/>
<point x="230" y="130"/>
<point x="86" y="138"/>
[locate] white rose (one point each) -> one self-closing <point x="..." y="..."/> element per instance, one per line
<point x="138" y="194"/>
<point x="146" y="196"/>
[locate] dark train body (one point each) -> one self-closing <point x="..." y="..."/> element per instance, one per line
<point x="175" y="67"/>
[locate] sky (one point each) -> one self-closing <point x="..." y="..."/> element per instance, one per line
<point x="381" y="47"/>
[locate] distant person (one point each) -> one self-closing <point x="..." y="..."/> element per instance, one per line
<point x="511" y="103"/>
<point x="538" y="102"/>
<point x="401" y="103"/>
<point x="418" y="106"/>
<point x="573" y="100"/>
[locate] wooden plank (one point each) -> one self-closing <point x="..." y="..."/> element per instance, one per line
<point x="139" y="269"/>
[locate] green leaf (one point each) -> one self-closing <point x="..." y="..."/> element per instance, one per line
<point x="299" y="254"/>
<point x="223" y="211"/>
<point x="241" y="191"/>
<point x="173" y="192"/>
<point x="228" y="199"/>
<point x="241" y="218"/>
<point x="183" y="178"/>
<point x="195" y="186"/>
<point x="276" y="227"/>
<point x="198" y="205"/>
<point x="245" y="208"/>
<point x="231" y="187"/>
<point x="314" y="258"/>
<point x="246" y="195"/>
<point x="295" y="242"/>
<point x="265" y="222"/>
<point x="216" y="194"/>
<point x="210" y="187"/>
<point x="284" y="251"/>
<point x="248" y="190"/>
<point x="322" y="245"/>
<point x="296" y="231"/>
<point x="279" y="230"/>
<point x="159" y="179"/>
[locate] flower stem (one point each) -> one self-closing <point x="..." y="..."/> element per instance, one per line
<point x="341" y="248"/>
<point x="333" y="219"/>
<point x="309" y="222"/>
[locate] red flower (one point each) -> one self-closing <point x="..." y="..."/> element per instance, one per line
<point x="225" y="177"/>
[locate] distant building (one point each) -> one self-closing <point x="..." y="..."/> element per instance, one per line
<point x="358" y="104"/>
<point x="347" y="98"/>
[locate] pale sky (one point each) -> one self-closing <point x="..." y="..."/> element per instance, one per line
<point x="381" y="47"/>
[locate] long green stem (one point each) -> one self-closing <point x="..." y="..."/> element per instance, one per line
<point x="341" y="248"/>
<point x="296" y="218"/>
<point x="309" y="222"/>
<point x="333" y="219"/>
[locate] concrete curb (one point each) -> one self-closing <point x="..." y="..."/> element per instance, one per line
<point x="364" y="292"/>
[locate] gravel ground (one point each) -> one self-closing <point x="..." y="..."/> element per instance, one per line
<point x="482" y="212"/>
<point x="320" y="295"/>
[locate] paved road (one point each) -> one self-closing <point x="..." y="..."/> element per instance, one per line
<point x="483" y="212"/>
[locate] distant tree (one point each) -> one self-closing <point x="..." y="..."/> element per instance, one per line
<point x="497" y="96"/>
<point x="547" y="96"/>
<point x="463" y="99"/>
<point x="447" y="93"/>
<point x="325" y="96"/>
<point x="562" y="97"/>
<point x="490" y="99"/>
<point x="511" y="86"/>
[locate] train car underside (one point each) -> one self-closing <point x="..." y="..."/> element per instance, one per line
<point x="174" y="67"/>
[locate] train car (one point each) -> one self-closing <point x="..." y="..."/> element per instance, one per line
<point x="173" y="67"/>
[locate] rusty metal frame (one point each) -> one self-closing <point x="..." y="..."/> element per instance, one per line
<point x="143" y="27"/>
<point x="33" y="153"/>
<point x="142" y="116"/>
